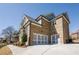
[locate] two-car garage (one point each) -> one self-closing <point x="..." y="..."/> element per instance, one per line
<point x="39" y="39"/>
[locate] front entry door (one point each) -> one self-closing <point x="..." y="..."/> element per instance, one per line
<point x="54" y="39"/>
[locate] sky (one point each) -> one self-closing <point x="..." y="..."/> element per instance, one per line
<point x="12" y="14"/>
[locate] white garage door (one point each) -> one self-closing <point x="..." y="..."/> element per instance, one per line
<point x="39" y="39"/>
<point x="54" y="39"/>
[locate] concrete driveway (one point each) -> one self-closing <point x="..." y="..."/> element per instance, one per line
<point x="65" y="49"/>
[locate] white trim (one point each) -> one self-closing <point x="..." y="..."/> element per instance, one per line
<point x="46" y="19"/>
<point x="39" y="34"/>
<point x="43" y="18"/>
<point x="66" y="19"/>
<point x="61" y="17"/>
<point x="27" y="31"/>
<point x="27" y="24"/>
<point x="36" y="24"/>
<point x="40" y="21"/>
<point x="25" y="20"/>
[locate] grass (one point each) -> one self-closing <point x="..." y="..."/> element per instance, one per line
<point x="5" y="51"/>
<point x="2" y="44"/>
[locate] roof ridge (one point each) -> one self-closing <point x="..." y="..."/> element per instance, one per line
<point x="49" y="16"/>
<point x="28" y="16"/>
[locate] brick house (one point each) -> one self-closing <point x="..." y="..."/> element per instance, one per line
<point x="45" y="29"/>
<point x="75" y="37"/>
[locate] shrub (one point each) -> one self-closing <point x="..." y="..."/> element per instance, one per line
<point x="4" y="41"/>
<point x="2" y="44"/>
<point x="69" y="41"/>
<point x="24" y="39"/>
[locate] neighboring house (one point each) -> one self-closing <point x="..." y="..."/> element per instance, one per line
<point x="46" y="29"/>
<point x="75" y="36"/>
<point x="14" y="39"/>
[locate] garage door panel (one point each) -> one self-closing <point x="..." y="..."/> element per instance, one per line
<point x="54" y="39"/>
<point x="39" y="39"/>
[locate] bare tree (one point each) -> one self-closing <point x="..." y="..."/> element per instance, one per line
<point x="8" y="32"/>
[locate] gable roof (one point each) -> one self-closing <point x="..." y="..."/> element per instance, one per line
<point x="28" y="17"/>
<point x="49" y="16"/>
<point x="64" y="15"/>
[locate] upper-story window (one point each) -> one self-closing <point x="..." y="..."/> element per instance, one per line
<point x="40" y="21"/>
